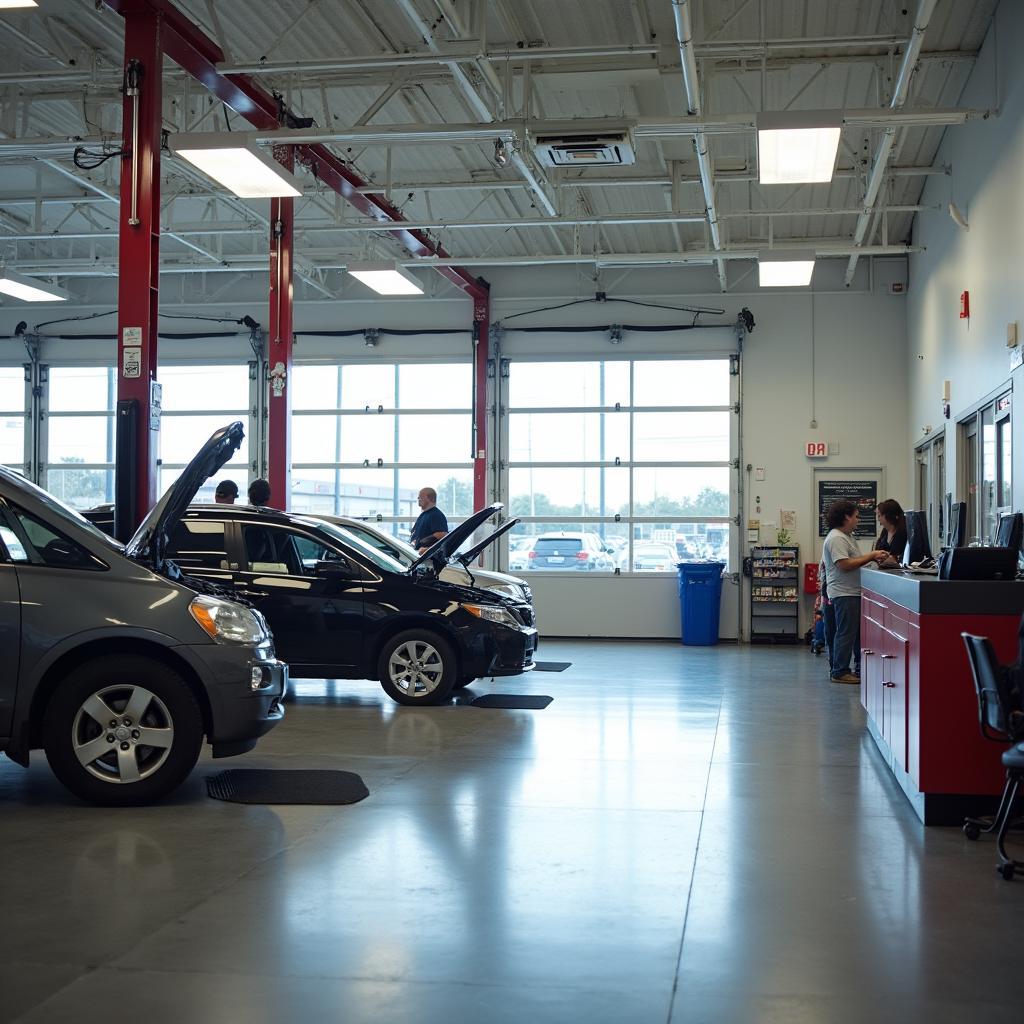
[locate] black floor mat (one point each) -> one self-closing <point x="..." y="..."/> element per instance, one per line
<point x="515" y="701"/>
<point x="267" y="786"/>
<point x="551" y="666"/>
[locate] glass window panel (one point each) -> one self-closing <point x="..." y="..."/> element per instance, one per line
<point x="237" y="471"/>
<point x="568" y="437"/>
<point x="12" y="388"/>
<point x="568" y="384"/>
<point x="181" y="437"/>
<point x="81" y="488"/>
<point x="681" y="437"/>
<point x="367" y="437"/>
<point x="690" y="541"/>
<point x="435" y="386"/>
<point x="201" y="386"/>
<point x="566" y="547"/>
<point x="454" y="491"/>
<point x="315" y="438"/>
<point x="569" y="492"/>
<point x="681" y="492"/>
<point x="315" y="387"/>
<point x="81" y="439"/>
<point x="351" y="492"/>
<point x="1005" y="464"/>
<point x="988" y="473"/>
<point x="199" y="544"/>
<point x="681" y="382"/>
<point x="431" y="439"/>
<point x="81" y="388"/>
<point x="12" y="440"/>
<point x="370" y="385"/>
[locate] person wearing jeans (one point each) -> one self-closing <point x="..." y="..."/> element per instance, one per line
<point x="843" y="560"/>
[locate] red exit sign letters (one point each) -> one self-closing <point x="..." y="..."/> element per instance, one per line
<point x="816" y="449"/>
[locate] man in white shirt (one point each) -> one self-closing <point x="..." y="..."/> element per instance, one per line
<point x="843" y="561"/>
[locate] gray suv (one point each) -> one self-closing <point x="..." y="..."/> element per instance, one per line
<point x="114" y="662"/>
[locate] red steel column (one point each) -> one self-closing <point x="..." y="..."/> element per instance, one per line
<point x="481" y="334"/>
<point x="138" y="289"/>
<point x="279" y="348"/>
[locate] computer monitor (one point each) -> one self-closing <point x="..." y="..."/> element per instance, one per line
<point x="958" y="525"/>
<point x="1010" y="531"/>
<point x="918" y="546"/>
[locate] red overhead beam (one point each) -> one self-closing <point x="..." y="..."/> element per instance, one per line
<point x="194" y="51"/>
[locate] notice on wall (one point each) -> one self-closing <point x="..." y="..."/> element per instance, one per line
<point x="863" y="492"/>
<point x="787" y="519"/>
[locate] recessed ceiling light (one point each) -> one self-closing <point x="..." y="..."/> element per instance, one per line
<point x="783" y="269"/>
<point x="795" y="147"/>
<point x="239" y="166"/>
<point x="28" y="289"/>
<point x="11" y="5"/>
<point x="385" y="278"/>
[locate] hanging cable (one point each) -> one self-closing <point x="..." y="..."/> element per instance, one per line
<point x="600" y="297"/>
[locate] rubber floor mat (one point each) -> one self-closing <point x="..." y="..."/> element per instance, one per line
<point x="551" y="666"/>
<point x="513" y="701"/>
<point x="270" y="786"/>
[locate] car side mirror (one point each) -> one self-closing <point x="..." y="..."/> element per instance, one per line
<point x="335" y="570"/>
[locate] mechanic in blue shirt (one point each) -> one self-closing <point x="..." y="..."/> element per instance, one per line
<point x="431" y="525"/>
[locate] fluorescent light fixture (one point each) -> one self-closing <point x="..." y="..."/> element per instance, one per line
<point x="28" y="289"/>
<point x="796" y="146"/>
<point x="785" y="269"/>
<point x="387" y="278"/>
<point x="238" y="165"/>
<point x="12" y="5"/>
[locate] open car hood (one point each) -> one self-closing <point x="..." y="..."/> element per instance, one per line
<point x="149" y="543"/>
<point x="441" y="552"/>
<point x="465" y="557"/>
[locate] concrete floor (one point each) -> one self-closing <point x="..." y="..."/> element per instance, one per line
<point x="685" y="834"/>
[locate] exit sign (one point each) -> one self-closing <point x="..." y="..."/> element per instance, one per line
<point x="816" y="449"/>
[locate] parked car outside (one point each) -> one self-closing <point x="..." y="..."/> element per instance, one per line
<point x="111" y="660"/>
<point x="342" y="608"/>
<point x="570" y="552"/>
<point x="459" y="568"/>
<point x="652" y="557"/>
<point x="519" y="549"/>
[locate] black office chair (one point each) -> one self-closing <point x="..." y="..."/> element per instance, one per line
<point x="1002" y="722"/>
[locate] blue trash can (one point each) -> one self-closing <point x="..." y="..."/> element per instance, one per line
<point x="700" y="595"/>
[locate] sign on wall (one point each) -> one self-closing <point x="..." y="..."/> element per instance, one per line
<point x="816" y="449"/>
<point x="863" y="492"/>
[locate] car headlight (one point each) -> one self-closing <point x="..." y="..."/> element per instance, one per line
<point x="492" y="614"/>
<point x="227" y="621"/>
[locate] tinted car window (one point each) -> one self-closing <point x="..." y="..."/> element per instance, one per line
<point x="199" y="544"/>
<point x="367" y="551"/>
<point x="375" y="540"/>
<point x="10" y="547"/>
<point x="43" y="545"/>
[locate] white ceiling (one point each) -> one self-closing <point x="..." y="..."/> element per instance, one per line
<point x="61" y="76"/>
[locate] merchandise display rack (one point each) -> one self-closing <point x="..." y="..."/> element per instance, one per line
<point x="775" y="595"/>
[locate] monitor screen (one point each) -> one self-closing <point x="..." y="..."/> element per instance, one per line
<point x="1009" y="532"/>
<point x="918" y="546"/>
<point x="958" y="525"/>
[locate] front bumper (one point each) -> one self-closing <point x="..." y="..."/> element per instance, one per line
<point x="240" y="714"/>
<point x="500" y="651"/>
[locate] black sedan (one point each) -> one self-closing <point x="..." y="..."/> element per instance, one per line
<point x="340" y="608"/>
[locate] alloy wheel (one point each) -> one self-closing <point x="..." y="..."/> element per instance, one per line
<point x="416" y="668"/>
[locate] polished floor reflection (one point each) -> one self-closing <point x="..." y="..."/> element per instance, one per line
<point x="684" y="834"/>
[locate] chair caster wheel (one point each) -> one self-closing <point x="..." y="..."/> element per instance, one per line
<point x="971" y="830"/>
<point x="1007" y="871"/>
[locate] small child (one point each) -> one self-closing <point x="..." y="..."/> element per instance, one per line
<point x="818" y="637"/>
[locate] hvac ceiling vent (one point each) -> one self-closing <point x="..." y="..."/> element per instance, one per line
<point x="602" y="148"/>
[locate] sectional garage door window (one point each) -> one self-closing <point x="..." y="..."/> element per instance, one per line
<point x="12" y="417"/>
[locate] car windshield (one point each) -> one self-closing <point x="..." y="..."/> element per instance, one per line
<point x="398" y="550"/>
<point x="62" y="511"/>
<point x="373" y="555"/>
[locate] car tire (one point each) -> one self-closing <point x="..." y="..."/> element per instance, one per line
<point x="417" y="667"/>
<point x="144" y="699"/>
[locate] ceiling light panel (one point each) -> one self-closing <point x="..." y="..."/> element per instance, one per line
<point x="785" y="269"/>
<point x="13" y="5"/>
<point x="240" y="167"/>
<point x="28" y="289"/>
<point x="794" y="148"/>
<point x="385" y="278"/>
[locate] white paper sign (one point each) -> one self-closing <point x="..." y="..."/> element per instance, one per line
<point x="131" y="362"/>
<point x="131" y="336"/>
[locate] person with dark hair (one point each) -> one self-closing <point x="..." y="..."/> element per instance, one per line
<point x="227" y="491"/>
<point x="259" y="493"/>
<point x="893" y="523"/>
<point x="843" y="559"/>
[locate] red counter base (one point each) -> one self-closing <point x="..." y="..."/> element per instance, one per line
<point x="917" y="689"/>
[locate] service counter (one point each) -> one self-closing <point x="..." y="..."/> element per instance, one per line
<point x="917" y="689"/>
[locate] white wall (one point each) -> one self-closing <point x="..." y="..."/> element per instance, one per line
<point x="987" y="162"/>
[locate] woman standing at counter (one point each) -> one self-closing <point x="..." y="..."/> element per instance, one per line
<point x="893" y="524"/>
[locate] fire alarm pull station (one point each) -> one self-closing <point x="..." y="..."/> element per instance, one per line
<point x="965" y="305"/>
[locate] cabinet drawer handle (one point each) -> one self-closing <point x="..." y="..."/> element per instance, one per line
<point x="888" y="656"/>
<point x="889" y="686"/>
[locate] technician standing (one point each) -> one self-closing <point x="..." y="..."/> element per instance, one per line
<point x="843" y="560"/>
<point x="431" y="525"/>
